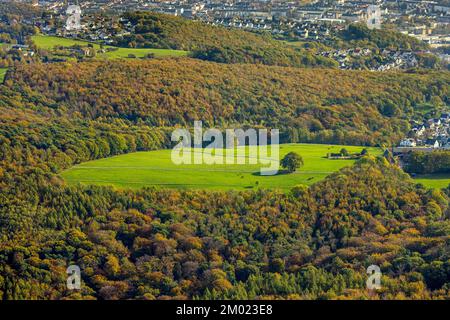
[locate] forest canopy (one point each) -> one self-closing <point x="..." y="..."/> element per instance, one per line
<point x="308" y="243"/>
<point x="307" y="105"/>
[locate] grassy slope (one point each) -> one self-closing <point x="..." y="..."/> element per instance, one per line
<point x="434" y="180"/>
<point x="155" y="168"/>
<point x="49" y="42"/>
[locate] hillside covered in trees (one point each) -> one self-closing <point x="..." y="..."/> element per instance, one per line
<point x="359" y="34"/>
<point x="307" y="105"/>
<point x="213" y="43"/>
<point x="11" y="14"/>
<point x="309" y="243"/>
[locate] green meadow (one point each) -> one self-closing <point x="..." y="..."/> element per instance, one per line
<point x="49" y="42"/>
<point x="155" y="168"/>
<point x="437" y="181"/>
<point x="2" y="74"/>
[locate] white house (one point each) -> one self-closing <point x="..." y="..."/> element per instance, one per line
<point x="419" y="131"/>
<point x="436" y="144"/>
<point x="408" y="143"/>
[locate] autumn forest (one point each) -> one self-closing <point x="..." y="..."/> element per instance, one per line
<point x="311" y="242"/>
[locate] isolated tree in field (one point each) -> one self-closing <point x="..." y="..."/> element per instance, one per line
<point x="344" y="152"/>
<point x="292" y="161"/>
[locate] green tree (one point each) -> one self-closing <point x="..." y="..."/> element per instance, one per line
<point x="344" y="152"/>
<point x="292" y="161"/>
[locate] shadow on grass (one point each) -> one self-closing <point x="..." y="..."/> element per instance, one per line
<point x="280" y="173"/>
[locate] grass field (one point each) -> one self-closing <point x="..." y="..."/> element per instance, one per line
<point x="295" y="44"/>
<point x="2" y="74"/>
<point x="155" y="168"/>
<point x="438" y="181"/>
<point x="49" y="42"/>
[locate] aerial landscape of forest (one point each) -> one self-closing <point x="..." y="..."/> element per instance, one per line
<point x="90" y="119"/>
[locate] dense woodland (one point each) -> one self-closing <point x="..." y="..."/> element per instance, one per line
<point x="428" y="162"/>
<point x="309" y="243"/>
<point x="360" y="35"/>
<point x="307" y="105"/>
<point x="11" y="16"/>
